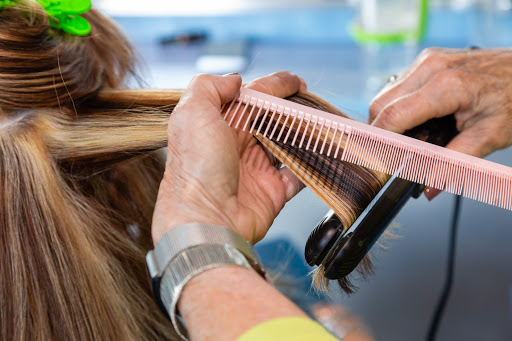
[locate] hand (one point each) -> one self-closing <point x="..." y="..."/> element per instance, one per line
<point x="215" y="174"/>
<point x="474" y="85"/>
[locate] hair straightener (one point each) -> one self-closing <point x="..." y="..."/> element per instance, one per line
<point x="341" y="250"/>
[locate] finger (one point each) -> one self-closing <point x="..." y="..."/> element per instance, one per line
<point x="279" y="84"/>
<point x="429" y="62"/>
<point x="444" y="94"/>
<point x="206" y="93"/>
<point x="292" y="184"/>
<point x="274" y="161"/>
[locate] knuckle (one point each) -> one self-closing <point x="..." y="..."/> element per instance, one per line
<point x="281" y="79"/>
<point x="461" y="118"/>
<point x="261" y="86"/>
<point x="435" y="61"/>
<point x="205" y="86"/>
<point x="287" y="81"/>
<point x="390" y="115"/>
<point x="202" y="78"/>
<point x="283" y="74"/>
<point x="374" y="109"/>
<point x="449" y="78"/>
<point x="283" y="83"/>
<point x="434" y="58"/>
<point x="426" y="52"/>
<point x="431" y="51"/>
<point x="202" y="82"/>
<point x="454" y="81"/>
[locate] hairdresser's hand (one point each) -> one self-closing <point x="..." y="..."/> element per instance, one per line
<point x="475" y="85"/>
<point x="215" y="174"/>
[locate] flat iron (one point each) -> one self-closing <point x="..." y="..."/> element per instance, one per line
<point x="341" y="249"/>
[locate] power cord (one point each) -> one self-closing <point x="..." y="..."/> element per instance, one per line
<point x="445" y="294"/>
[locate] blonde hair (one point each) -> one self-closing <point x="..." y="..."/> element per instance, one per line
<point x="77" y="187"/>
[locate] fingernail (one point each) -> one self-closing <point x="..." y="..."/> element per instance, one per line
<point x="431" y="193"/>
<point x="231" y="74"/>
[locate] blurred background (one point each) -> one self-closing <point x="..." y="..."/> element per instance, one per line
<point x="346" y="50"/>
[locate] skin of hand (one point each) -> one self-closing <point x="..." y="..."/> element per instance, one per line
<point x="216" y="174"/>
<point x="474" y="85"/>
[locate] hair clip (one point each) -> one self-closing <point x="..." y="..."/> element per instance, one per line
<point x="64" y="15"/>
<point x="6" y="4"/>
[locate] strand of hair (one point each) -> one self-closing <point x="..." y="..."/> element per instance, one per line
<point x="301" y="114"/>
<point x="241" y="115"/>
<point x="263" y="120"/>
<point x="325" y="139"/>
<point x="287" y="116"/>
<point x="332" y="139"/>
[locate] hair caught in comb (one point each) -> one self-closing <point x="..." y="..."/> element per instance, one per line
<point x="343" y="186"/>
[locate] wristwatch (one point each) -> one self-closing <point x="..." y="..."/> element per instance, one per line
<point x="187" y="250"/>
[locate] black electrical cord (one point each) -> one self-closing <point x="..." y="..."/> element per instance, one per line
<point x="445" y="294"/>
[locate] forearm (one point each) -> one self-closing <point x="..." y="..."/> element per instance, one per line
<point x="223" y="303"/>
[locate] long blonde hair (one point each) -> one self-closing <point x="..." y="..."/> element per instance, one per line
<point x="77" y="186"/>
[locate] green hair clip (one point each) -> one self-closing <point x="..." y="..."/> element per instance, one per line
<point x="6" y="4"/>
<point x="64" y="14"/>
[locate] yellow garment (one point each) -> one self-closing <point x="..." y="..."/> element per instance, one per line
<point x="288" y="328"/>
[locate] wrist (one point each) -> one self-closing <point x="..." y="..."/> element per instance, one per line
<point x="170" y="215"/>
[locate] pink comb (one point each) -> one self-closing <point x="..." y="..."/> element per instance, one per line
<point x="371" y="147"/>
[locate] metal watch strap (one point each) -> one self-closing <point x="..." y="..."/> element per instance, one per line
<point x="186" y="265"/>
<point x="187" y="250"/>
<point x="193" y="234"/>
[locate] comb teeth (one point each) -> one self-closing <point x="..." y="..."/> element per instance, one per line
<point x="371" y="147"/>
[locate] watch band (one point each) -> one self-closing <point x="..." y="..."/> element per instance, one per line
<point x="193" y="234"/>
<point x="187" y="250"/>
<point x="188" y="264"/>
